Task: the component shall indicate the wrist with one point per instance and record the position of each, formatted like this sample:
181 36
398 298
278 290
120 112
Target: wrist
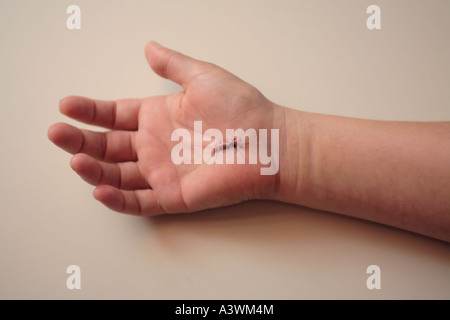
291 182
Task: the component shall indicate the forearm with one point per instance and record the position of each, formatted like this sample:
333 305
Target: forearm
395 173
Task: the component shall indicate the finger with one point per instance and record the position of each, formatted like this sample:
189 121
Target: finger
122 175
113 146
120 115
137 202
173 65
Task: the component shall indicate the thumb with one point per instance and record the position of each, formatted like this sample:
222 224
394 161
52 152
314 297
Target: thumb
172 65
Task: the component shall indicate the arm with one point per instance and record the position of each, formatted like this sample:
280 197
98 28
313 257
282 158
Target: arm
389 172
395 173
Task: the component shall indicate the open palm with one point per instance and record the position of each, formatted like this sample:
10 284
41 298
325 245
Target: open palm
131 165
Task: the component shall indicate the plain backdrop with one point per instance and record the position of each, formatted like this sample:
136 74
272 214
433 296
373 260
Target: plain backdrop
316 56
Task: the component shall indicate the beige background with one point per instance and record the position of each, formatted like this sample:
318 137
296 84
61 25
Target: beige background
312 55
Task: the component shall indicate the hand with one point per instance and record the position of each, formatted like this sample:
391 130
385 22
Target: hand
131 164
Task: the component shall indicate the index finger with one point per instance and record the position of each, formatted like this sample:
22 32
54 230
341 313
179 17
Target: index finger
120 114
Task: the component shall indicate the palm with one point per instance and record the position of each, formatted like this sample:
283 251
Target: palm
192 186
132 165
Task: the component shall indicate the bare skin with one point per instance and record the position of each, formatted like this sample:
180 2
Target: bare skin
395 173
